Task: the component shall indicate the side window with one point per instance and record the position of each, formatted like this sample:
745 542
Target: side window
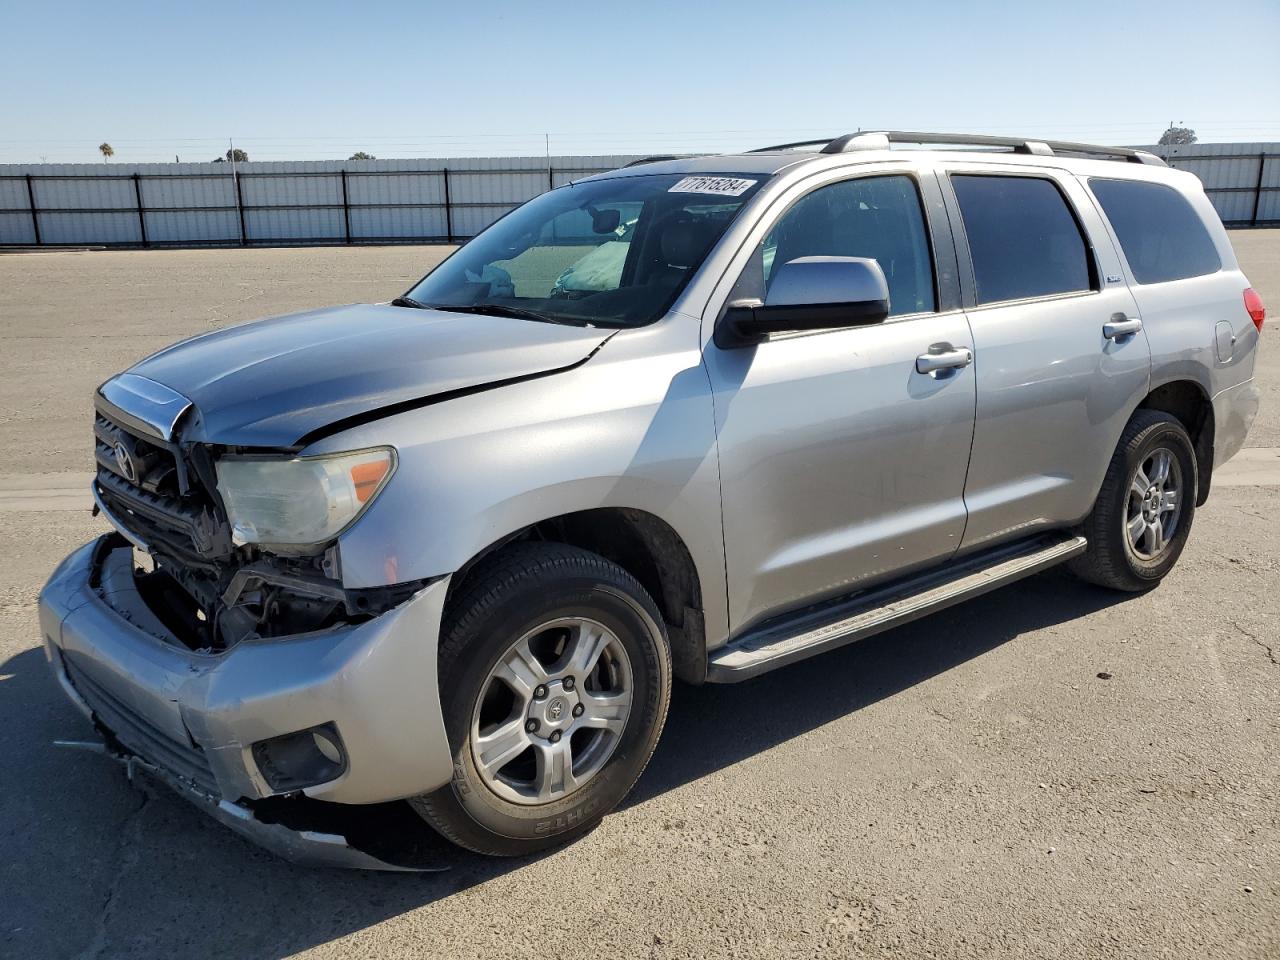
1023 238
1163 238
876 217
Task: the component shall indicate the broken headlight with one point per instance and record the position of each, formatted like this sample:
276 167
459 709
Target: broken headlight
303 500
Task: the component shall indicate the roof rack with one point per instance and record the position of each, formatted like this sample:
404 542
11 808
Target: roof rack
881 140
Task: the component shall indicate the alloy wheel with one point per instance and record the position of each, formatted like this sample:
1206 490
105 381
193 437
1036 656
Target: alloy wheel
1154 504
551 711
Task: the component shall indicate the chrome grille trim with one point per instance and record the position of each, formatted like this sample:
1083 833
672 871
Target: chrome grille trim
150 408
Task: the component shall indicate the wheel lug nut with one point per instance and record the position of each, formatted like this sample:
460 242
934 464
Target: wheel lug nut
579 710
555 736
539 692
568 683
531 725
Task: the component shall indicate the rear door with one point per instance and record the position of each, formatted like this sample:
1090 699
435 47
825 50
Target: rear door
1061 357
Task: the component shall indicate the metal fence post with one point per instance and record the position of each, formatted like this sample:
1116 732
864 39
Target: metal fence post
551 178
142 217
35 214
346 205
448 209
1257 190
244 234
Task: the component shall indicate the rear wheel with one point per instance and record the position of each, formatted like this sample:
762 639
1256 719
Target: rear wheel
1143 513
555 678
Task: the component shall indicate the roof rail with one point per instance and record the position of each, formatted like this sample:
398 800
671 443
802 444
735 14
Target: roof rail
881 140
791 146
656 158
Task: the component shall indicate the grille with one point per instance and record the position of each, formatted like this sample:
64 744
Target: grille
151 497
186 761
155 466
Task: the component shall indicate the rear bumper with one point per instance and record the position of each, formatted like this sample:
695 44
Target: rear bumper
195 717
1234 410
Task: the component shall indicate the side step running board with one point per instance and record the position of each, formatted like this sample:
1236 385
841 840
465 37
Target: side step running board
815 630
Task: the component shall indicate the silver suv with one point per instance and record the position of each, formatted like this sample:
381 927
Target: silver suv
696 417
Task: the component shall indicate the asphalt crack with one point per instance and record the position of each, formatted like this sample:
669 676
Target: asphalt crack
127 854
1271 654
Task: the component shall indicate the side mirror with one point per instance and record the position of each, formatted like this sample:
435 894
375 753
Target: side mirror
810 293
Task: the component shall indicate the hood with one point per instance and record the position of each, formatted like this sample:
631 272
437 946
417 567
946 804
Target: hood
274 382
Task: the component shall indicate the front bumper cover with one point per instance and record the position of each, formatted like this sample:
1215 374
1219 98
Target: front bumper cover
312 845
193 717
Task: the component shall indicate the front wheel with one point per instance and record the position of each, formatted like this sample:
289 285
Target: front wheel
555 677
1143 513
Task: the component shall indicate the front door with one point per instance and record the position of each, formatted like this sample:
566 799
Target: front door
1061 357
842 455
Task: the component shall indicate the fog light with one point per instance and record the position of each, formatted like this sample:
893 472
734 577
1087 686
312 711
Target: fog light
302 759
332 752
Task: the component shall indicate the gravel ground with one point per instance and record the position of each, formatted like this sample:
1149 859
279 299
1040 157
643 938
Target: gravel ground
1048 771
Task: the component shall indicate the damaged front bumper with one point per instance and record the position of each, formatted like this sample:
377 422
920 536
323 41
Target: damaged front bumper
194 718
313 845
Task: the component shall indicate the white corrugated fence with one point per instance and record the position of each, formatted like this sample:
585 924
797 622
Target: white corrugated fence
355 201
1242 179
274 202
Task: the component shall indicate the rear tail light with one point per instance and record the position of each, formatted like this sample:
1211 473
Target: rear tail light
1253 304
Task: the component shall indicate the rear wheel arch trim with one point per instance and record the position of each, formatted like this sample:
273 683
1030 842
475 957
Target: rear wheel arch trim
1191 404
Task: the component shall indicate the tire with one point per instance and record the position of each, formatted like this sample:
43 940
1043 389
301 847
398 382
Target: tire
514 651
1122 513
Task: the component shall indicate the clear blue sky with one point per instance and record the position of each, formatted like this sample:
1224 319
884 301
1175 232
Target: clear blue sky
320 80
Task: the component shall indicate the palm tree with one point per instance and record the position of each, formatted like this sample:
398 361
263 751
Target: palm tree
107 151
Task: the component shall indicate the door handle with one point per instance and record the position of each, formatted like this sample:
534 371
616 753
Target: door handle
1120 326
944 360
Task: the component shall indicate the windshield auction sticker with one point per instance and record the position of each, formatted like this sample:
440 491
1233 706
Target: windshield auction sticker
720 186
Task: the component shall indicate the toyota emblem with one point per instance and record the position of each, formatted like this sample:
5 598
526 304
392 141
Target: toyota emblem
125 461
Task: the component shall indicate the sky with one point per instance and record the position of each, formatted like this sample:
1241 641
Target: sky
320 80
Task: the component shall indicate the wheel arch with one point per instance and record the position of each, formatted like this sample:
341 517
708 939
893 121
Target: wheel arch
648 548
1189 402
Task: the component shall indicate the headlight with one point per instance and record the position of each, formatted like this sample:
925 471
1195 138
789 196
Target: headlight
303 500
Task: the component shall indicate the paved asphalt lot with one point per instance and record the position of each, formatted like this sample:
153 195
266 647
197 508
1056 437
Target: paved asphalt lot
967 786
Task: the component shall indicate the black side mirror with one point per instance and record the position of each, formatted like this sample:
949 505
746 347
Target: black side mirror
810 293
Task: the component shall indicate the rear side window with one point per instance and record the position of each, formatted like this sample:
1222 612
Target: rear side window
1023 238
1163 238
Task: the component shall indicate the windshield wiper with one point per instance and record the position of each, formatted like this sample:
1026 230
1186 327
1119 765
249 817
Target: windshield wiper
502 310
409 302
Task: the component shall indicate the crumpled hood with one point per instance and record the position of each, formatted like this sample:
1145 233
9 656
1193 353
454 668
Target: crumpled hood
273 382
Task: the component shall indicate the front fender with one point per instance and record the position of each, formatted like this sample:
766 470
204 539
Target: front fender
633 427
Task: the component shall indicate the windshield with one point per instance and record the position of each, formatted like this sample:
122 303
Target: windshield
612 253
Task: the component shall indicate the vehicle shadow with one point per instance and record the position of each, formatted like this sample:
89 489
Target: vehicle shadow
720 725
90 861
